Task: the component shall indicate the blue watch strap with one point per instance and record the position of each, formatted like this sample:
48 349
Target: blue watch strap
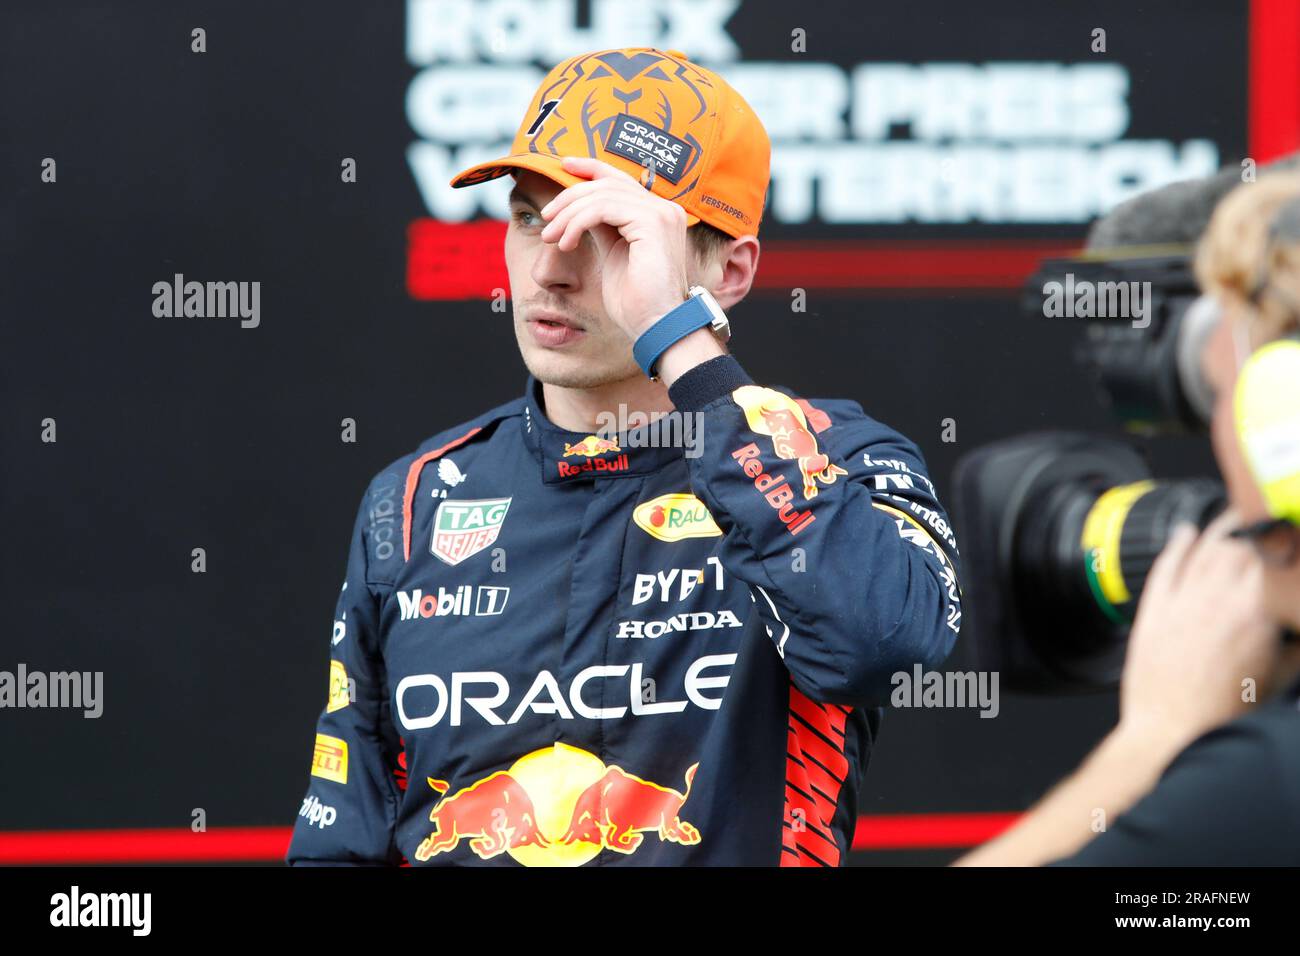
677 324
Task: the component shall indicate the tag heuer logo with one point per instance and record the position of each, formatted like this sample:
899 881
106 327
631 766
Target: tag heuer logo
674 517
461 529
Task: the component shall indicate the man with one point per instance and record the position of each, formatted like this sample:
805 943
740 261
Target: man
560 643
1197 772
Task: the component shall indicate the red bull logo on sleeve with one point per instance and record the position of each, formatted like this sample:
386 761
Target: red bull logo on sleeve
787 421
557 806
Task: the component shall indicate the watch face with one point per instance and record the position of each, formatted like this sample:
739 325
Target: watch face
718 318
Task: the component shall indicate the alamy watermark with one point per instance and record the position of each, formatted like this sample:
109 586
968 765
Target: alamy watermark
942 689
133 911
1085 299
208 300
62 689
672 429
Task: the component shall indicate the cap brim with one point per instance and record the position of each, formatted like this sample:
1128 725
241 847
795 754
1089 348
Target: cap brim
541 163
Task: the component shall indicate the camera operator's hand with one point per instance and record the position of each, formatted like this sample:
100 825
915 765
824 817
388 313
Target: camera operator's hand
1200 632
1199 636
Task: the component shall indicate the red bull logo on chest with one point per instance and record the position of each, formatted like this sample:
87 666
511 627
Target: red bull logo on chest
592 448
558 806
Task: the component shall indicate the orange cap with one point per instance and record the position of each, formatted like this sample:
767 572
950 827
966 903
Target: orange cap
710 152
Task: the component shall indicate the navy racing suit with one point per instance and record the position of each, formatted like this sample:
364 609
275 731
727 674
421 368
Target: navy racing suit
669 647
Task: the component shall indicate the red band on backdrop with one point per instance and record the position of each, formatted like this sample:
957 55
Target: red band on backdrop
930 831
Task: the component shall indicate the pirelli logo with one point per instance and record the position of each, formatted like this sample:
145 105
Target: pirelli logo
330 760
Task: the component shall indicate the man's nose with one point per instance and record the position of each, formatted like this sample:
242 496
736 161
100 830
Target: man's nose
560 271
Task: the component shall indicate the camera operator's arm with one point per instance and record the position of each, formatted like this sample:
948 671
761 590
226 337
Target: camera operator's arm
1199 635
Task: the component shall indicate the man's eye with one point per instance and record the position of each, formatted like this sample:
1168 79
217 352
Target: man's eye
526 217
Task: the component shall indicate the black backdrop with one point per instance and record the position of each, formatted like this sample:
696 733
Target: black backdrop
175 434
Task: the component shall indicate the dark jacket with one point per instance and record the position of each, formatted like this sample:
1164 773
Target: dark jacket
551 649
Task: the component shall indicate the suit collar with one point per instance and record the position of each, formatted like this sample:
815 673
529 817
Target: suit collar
566 456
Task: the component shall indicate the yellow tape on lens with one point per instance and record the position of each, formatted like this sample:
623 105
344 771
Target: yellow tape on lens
1100 541
1267 411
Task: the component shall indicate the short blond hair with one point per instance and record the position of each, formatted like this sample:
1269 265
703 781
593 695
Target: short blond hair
706 240
1253 278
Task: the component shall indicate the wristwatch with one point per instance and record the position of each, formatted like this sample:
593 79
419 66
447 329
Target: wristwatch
699 309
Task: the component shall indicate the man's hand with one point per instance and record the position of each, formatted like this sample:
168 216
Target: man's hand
640 240
1200 633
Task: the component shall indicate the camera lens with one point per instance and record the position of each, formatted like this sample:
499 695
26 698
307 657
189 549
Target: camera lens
1066 528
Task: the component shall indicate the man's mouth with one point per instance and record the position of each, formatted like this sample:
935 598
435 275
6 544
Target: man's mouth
554 320
550 329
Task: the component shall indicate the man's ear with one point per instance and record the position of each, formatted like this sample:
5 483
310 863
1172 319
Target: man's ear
738 264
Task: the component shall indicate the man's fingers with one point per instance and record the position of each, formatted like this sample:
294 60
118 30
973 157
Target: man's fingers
614 200
1167 568
587 214
586 166
619 193
557 230
1216 554
565 198
570 194
611 209
615 210
1224 522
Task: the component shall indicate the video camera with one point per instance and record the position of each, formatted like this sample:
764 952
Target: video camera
1060 529
1147 367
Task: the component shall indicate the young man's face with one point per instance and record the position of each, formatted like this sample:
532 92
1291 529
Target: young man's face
564 335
